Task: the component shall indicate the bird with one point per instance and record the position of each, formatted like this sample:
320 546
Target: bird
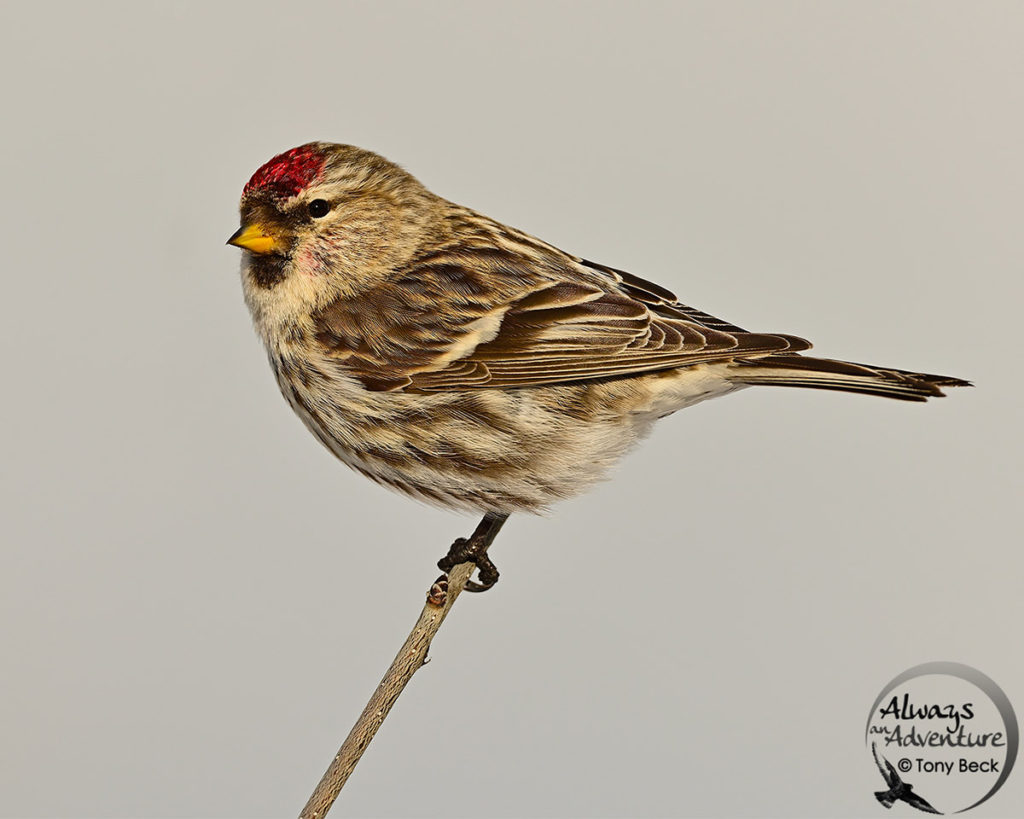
898 789
470 365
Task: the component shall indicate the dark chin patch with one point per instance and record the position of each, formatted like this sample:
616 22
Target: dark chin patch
268 270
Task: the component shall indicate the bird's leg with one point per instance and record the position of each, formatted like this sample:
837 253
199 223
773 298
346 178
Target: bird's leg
474 550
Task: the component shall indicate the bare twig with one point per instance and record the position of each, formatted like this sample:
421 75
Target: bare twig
410 658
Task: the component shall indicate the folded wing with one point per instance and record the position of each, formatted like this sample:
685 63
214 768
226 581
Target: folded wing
523 316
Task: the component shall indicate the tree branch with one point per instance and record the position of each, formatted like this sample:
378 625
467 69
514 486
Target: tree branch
407 662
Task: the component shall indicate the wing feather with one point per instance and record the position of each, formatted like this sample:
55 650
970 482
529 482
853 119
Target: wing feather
522 314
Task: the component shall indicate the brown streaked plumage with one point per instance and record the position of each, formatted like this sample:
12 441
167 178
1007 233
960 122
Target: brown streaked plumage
469 364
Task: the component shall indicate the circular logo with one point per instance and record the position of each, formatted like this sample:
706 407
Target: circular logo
943 736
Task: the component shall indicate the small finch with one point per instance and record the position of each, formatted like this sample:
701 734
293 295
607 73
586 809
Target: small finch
469 364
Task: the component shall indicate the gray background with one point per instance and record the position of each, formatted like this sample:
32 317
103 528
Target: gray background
196 600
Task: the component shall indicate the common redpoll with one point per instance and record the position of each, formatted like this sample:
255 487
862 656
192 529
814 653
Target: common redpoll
469 364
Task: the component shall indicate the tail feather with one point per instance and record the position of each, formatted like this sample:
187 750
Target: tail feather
828 374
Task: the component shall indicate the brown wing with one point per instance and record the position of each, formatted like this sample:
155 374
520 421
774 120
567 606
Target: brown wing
659 298
525 315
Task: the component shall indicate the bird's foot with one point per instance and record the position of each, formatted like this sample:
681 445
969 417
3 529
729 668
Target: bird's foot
472 550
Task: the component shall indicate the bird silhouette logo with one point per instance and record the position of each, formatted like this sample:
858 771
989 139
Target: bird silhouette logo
899 791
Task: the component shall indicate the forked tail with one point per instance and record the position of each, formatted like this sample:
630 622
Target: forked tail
828 374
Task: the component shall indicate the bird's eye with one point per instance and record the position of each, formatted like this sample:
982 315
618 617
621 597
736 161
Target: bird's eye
319 208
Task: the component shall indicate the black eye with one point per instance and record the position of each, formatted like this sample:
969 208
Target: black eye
318 208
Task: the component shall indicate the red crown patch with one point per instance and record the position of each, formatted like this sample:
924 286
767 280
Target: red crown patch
288 173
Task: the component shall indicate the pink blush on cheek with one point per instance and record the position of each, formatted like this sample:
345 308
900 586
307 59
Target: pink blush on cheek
307 262
313 261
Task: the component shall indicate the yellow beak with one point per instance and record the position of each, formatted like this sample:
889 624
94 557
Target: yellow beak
256 239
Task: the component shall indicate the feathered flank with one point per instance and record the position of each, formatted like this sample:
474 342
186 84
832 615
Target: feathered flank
469 364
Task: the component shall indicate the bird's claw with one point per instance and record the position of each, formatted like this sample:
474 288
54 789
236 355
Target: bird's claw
471 550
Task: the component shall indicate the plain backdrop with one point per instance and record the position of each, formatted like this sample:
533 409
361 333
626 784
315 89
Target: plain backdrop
196 599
